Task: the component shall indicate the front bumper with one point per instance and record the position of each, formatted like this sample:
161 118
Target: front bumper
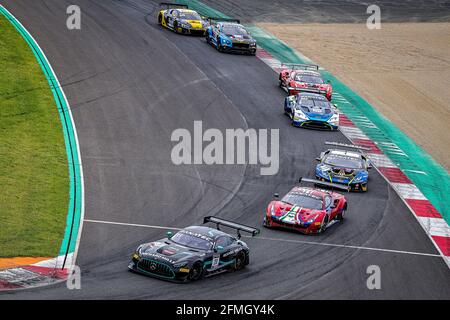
158 269
239 48
314 124
192 31
306 228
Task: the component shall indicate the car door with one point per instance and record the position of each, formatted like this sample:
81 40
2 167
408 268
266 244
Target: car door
222 258
216 32
328 207
335 207
170 17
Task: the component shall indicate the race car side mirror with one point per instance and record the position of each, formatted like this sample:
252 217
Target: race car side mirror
318 159
369 166
276 195
328 81
219 249
169 234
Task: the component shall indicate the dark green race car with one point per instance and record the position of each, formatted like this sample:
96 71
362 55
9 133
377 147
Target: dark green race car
193 252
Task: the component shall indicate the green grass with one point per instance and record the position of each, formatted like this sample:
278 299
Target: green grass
34 181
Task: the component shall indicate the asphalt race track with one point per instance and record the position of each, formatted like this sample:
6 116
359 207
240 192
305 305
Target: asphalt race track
130 84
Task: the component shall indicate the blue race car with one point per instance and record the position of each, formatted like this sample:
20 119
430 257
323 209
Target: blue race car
344 167
228 35
311 110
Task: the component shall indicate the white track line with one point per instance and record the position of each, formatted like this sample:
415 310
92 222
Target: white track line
131 224
279 239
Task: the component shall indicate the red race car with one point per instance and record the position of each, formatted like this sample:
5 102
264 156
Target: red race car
296 78
307 210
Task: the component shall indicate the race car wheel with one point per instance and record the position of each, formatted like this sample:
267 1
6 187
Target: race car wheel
240 261
219 45
340 216
208 40
160 19
266 223
175 27
364 187
196 271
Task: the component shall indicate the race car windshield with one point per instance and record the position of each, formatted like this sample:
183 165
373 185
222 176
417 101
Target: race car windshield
308 79
302 200
345 162
191 241
314 105
234 30
190 16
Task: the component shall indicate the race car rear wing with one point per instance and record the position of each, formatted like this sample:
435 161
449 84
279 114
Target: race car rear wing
231 224
173 5
323 183
339 144
300 66
218 19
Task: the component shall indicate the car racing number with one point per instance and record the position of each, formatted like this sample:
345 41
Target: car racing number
215 261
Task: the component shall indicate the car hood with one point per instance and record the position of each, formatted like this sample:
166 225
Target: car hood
315 115
293 213
194 23
318 86
342 171
167 251
239 37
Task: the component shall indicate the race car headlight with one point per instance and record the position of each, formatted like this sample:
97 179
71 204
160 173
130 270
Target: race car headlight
311 220
225 41
324 168
180 264
253 44
272 211
185 25
334 118
299 115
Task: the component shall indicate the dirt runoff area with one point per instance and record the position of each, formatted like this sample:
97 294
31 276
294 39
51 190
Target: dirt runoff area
402 69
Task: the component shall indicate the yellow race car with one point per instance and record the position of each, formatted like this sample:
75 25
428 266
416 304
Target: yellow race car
179 18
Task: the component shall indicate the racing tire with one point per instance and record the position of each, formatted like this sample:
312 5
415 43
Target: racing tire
208 40
340 217
219 45
266 224
175 27
196 271
240 261
160 19
324 224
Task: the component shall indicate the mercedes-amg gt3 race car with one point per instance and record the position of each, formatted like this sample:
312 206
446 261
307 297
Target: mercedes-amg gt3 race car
311 110
194 252
308 210
345 167
179 18
228 35
296 78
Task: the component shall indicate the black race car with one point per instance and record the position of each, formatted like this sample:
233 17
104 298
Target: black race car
194 252
228 35
344 167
